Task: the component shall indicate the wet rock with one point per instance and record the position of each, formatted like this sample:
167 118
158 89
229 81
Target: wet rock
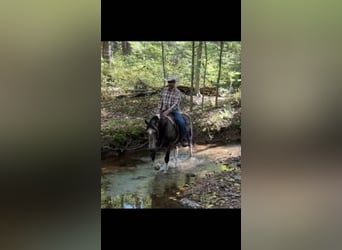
236 159
186 203
188 177
138 177
237 177
233 194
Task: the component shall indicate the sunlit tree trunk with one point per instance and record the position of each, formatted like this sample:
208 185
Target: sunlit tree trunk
198 68
126 48
106 51
205 71
192 74
219 74
163 60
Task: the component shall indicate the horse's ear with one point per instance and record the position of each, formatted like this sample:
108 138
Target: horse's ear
146 122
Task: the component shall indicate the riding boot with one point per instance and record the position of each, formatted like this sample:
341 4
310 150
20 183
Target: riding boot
184 141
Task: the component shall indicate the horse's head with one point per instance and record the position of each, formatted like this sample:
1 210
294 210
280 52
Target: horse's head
152 131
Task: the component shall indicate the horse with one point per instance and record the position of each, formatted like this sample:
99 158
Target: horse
163 132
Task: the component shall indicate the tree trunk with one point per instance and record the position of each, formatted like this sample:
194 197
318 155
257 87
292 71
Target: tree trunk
205 71
126 48
106 52
115 46
122 202
129 48
198 68
123 47
219 73
192 74
163 60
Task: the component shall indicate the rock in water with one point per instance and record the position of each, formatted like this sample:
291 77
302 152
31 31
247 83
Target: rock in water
186 203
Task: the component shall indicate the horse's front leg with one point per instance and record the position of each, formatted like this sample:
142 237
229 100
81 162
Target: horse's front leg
190 149
167 158
153 157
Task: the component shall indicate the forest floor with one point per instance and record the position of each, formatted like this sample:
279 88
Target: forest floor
215 189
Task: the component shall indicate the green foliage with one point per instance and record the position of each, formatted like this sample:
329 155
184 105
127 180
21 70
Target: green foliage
145 63
123 118
105 73
132 200
237 96
218 120
119 129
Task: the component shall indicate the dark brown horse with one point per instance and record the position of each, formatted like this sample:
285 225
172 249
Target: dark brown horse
164 133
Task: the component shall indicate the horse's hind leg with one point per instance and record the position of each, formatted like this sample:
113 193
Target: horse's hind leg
190 135
190 143
176 155
153 157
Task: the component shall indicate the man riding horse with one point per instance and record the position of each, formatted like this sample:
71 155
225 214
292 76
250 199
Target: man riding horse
169 104
163 132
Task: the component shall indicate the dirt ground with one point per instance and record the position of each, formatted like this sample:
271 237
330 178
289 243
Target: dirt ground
216 189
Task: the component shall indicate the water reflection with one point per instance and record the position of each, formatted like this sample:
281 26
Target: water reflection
162 188
136 185
128 200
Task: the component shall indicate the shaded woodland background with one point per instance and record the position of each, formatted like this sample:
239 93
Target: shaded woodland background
133 74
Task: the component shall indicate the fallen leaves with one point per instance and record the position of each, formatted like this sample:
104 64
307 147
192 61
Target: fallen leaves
215 189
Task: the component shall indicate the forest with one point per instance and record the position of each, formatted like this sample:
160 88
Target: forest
133 74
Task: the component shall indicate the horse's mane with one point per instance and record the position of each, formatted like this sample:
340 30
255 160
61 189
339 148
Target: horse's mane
153 122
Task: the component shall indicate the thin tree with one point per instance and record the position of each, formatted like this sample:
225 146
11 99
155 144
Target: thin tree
123 47
219 73
198 68
115 46
106 52
205 71
122 202
126 48
163 60
192 74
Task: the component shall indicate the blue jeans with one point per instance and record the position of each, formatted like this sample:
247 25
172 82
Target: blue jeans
181 122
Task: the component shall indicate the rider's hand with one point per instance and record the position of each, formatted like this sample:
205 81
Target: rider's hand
166 112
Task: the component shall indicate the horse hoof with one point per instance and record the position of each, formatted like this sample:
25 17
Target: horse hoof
160 169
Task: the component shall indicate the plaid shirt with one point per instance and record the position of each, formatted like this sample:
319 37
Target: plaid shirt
170 99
